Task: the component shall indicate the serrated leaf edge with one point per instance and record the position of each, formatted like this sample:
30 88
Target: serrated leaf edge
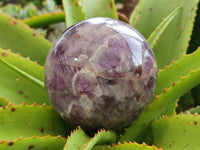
72 132
149 121
134 143
27 105
181 113
13 20
96 135
174 83
177 62
33 137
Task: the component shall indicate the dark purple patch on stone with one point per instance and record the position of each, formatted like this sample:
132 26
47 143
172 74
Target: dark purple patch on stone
118 44
111 81
110 103
56 83
84 84
110 64
108 100
109 60
77 114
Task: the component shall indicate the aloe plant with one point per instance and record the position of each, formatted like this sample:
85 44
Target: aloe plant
29 121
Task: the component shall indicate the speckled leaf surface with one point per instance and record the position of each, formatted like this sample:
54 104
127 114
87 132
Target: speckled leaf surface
73 12
133 146
157 33
28 120
20 38
177 132
99 8
39 143
173 42
21 79
161 105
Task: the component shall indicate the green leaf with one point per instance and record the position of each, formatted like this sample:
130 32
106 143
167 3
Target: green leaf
20 38
28 120
99 8
87 143
44 20
35 142
133 146
21 79
73 12
100 147
102 137
177 132
77 140
193 110
172 73
174 41
3 101
161 105
76 11
157 33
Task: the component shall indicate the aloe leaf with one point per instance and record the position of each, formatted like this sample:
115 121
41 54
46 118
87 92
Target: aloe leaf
24 64
35 142
174 40
134 146
77 140
177 132
3 101
194 110
100 147
161 105
22 79
73 12
44 20
173 72
99 8
102 137
20 38
157 33
28 120
87 143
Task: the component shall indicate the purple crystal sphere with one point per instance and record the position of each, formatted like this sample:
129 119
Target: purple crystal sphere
101 73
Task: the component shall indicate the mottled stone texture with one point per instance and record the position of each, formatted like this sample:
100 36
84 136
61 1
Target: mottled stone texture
100 73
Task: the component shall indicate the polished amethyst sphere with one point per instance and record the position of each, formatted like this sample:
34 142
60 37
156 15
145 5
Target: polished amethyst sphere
101 73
